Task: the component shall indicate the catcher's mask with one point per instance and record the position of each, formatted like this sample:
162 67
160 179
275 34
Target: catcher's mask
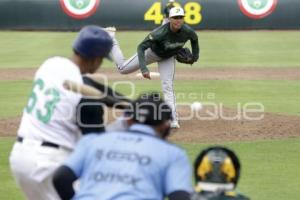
150 109
217 168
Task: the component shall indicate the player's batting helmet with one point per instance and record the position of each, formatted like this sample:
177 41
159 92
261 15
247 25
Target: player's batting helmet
92 41
217 165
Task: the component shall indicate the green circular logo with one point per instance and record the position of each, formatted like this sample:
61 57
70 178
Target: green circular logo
79 9
257 9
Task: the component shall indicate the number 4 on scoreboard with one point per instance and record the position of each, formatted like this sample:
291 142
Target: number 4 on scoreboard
192 13
154 13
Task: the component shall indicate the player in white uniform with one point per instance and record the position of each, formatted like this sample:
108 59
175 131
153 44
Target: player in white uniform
50 125
160 47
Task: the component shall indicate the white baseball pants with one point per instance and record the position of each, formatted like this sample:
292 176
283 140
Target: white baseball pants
32 166
166 68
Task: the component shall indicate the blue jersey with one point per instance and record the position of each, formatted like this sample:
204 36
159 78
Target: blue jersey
133 165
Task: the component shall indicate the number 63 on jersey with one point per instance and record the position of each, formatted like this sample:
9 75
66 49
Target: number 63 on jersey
192 13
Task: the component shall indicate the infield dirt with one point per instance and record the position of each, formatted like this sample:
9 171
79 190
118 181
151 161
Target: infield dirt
196 130
183 74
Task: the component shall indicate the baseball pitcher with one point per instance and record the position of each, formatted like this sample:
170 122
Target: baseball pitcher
161 46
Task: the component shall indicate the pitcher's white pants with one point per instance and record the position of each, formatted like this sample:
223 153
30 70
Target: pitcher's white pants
166 68
33 165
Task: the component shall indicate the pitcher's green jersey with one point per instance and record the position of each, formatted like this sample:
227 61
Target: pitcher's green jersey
165 43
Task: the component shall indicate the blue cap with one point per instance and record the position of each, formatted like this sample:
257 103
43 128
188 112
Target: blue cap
92 41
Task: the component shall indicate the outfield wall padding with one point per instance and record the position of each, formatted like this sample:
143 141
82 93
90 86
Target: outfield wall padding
131 14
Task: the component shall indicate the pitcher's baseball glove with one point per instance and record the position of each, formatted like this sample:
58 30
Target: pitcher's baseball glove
184 55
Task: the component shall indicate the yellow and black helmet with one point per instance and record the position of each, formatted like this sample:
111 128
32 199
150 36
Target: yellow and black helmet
217 165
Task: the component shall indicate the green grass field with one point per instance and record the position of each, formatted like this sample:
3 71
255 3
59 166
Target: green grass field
218 49
230 93
270 167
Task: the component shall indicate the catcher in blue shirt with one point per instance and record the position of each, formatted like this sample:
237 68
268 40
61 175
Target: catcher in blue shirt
133 165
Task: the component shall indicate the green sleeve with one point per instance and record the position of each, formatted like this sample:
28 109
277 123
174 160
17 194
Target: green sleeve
141 52
195 46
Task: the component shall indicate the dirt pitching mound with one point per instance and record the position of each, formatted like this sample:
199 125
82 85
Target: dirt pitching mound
271 126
